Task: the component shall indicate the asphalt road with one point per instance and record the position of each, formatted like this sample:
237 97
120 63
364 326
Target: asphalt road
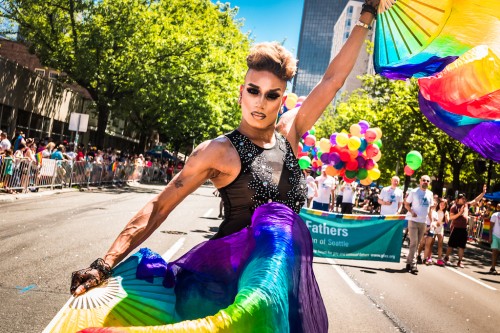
45 238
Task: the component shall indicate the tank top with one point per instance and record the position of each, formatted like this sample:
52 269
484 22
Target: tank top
266 175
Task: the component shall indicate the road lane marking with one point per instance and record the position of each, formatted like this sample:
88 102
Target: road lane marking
470 278
346 278
208 213
173 249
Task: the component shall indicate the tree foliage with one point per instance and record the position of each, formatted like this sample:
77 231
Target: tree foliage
171 66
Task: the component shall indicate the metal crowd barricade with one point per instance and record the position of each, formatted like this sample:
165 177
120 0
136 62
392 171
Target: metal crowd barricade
474 228
21 174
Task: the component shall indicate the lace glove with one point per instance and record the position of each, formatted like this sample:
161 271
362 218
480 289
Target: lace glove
86 278
370 6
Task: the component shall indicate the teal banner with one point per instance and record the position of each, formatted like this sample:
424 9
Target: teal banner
361 237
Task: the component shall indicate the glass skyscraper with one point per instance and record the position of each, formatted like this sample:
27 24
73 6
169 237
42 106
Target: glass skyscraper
315 42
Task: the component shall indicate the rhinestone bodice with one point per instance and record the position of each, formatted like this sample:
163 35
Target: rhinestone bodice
266 175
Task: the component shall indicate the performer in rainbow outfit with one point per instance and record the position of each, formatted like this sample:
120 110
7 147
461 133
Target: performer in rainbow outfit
259 275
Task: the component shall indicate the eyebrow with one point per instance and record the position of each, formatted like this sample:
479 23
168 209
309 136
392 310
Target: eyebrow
256 86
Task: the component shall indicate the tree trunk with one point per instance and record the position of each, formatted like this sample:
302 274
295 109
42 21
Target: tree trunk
143 138
102 124
456 177
438 189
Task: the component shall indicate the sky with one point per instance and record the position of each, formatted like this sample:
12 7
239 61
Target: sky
271 20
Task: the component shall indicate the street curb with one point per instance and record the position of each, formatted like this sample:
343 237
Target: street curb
5 197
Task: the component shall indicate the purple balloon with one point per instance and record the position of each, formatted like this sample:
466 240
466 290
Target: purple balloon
334 158
305 135
364 126
333 138
361 162
325 158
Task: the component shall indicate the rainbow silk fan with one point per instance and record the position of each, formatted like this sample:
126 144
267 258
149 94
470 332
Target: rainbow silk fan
123 300
453 47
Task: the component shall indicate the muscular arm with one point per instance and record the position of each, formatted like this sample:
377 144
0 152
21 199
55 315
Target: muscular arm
333 79
199 167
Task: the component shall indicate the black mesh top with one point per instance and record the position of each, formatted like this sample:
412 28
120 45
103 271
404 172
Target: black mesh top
267 175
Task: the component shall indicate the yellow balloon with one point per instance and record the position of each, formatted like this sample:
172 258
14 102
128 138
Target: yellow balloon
342 139
325 145
378 131
293 95
290 102
374 174
354 142
377 157
355 130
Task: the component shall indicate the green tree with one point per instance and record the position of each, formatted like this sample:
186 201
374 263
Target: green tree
165 65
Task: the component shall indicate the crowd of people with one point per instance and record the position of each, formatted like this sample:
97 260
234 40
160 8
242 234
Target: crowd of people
428 215
31 151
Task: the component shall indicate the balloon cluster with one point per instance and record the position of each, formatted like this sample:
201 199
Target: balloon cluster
292 101
351 155
413 162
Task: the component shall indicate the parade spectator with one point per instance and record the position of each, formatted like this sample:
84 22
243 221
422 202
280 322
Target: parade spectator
59 153
495 239
30 151
326 186
8 170
391 198
459 215
47 152
312 191
170 171
442 219
338 195
418 204
347 198
4 142
19 138
430 235
374 206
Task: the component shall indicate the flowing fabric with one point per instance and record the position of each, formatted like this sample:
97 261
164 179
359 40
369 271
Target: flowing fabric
413 32
257 280
453 47
481 136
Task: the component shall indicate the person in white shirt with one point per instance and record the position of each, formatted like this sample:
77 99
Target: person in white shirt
4 142
418 204
347 198
495 239
391 198
326 195
312 191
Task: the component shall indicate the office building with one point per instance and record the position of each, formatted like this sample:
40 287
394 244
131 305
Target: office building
315 41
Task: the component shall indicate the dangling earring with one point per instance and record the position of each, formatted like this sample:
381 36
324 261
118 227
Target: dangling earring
239 99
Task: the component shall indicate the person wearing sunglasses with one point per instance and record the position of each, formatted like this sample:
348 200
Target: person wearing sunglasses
418 203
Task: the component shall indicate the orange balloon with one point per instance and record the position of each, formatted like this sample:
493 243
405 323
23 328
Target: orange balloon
367 181
331 171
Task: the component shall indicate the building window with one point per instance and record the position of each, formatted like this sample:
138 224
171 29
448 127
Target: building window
348 23
40 71
350 10
346 35
53 75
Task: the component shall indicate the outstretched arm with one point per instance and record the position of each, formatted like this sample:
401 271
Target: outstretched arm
333 79
199 167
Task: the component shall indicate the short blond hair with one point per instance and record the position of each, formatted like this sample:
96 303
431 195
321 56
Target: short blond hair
273 57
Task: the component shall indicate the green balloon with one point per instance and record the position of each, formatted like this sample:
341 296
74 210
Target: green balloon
350 174
362 174
319 154
378 143
304 162
414 159
312 131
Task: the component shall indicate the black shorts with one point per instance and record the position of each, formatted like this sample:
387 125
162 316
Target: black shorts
338 200
458 238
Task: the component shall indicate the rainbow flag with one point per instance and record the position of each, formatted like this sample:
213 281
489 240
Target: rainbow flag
114 166
485 235
39 158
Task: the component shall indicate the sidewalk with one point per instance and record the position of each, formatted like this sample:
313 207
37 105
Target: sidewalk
5 197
